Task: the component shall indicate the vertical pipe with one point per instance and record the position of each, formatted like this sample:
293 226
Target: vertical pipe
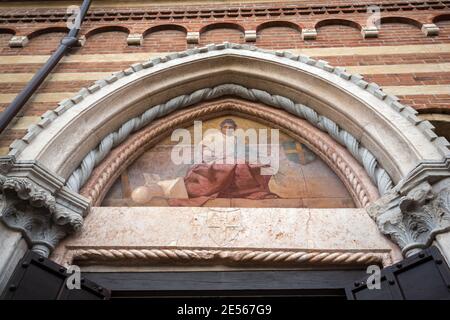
66 43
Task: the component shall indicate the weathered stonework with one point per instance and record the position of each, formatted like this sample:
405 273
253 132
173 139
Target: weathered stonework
81 41
378 175
135 39
18 41
309 34
12 249
364 111
250 35
239 237
417 209
255 257
35 213
369 32
407 55
34 202
397 166
341 161
193 37
430 29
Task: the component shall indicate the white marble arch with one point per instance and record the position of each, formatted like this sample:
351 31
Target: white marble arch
391 131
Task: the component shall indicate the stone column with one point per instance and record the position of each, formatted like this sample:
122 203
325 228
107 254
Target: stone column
12 248
416 212
443 243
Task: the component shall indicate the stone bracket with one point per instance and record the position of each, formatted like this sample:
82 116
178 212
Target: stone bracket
430 29
193 37
309 34
18 41
369 32
417 209
35 202
80 41
227 256
135 39
250 36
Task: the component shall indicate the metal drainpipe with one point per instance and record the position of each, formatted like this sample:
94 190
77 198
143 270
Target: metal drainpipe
66 43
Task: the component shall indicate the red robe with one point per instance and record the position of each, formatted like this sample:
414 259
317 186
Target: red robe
209 181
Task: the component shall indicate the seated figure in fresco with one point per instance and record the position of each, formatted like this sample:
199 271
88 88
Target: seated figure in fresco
216 177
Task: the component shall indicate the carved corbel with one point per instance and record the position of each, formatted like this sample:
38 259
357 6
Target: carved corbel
34 202
417 209
34 212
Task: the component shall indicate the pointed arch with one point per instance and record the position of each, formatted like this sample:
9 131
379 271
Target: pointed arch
382 134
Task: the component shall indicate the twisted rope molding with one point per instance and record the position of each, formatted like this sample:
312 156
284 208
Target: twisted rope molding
231 256
392 101
378 175
345 166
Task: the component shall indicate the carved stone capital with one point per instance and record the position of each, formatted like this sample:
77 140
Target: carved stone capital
37 205
417 209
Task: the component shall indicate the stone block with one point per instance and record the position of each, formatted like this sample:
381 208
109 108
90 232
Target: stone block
135 39
18 41
250 36
193 37
309 34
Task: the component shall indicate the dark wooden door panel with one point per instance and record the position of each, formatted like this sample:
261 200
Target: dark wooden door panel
424 276
277 283
39 278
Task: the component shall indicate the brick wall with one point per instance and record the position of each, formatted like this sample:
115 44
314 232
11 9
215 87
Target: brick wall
423 84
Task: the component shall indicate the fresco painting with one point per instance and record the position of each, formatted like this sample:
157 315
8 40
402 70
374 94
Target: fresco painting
301 178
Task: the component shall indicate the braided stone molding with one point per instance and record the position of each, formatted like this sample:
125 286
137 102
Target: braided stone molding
259 257
34 212
342 162
378 175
